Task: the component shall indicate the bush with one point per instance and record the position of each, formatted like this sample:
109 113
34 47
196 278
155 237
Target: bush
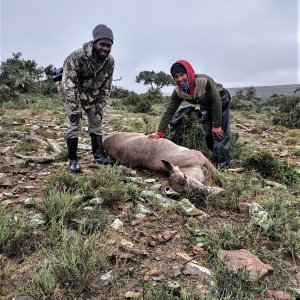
189 132
271 167
76 261
118 92
7 94
287 110
138 103
11 233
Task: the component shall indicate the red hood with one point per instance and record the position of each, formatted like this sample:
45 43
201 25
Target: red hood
190 74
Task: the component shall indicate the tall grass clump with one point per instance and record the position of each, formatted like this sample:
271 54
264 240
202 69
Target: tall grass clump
228 285
283 209
11 233
78 262
44 283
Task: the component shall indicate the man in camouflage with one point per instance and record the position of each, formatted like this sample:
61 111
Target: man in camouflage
86 85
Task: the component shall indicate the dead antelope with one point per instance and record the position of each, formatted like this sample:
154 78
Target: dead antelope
184 166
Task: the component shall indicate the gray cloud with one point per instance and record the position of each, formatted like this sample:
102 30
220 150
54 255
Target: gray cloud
237 42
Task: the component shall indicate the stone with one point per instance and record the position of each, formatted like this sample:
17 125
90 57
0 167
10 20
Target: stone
154 272
195 269
117 224
259 216
132 294
238 260
127 244
279 295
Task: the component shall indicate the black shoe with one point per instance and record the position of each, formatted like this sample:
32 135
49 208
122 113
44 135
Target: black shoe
102 160
72 153
74 166
100 156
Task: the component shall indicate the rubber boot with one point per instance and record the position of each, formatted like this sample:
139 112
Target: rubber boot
72 151
100 156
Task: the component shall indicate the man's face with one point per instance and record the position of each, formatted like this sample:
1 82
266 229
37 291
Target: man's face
103 47
180 79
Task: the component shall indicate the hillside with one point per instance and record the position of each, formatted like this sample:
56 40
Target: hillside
117 233
265 92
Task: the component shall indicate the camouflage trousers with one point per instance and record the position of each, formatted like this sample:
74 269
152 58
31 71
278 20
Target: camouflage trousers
74 121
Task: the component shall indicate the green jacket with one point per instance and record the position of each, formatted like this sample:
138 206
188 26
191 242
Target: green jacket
86 80
206 95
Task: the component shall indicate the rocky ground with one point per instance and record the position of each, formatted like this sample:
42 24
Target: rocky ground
153 241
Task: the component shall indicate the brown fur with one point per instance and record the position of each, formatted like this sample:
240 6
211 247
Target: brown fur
184 166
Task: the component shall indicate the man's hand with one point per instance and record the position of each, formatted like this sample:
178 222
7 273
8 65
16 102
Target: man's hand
156 135
99 110
218 133
75 115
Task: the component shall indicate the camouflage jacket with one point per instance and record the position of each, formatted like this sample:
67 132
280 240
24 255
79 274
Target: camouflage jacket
86 81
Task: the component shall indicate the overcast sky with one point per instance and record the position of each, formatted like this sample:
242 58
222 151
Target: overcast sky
236 42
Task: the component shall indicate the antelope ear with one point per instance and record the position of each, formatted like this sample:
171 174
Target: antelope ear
170 167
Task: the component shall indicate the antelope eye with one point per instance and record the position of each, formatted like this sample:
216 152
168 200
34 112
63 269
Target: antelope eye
185 177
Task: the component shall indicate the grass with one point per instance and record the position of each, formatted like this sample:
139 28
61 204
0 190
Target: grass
44 283
12 232
65 258
77 261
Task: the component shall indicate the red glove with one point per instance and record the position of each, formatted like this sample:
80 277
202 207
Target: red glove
160 134
157 135
218 132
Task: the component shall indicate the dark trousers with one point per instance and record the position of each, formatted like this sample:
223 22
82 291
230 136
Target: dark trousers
219 148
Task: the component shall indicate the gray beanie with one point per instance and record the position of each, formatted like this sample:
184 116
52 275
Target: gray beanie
102 32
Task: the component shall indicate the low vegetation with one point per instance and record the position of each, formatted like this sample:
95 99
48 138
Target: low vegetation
56 235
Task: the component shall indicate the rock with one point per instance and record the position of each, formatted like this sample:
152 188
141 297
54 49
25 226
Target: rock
139 252
279 295
185 256
175 271
132 294
135 179
275 184
152 243
150 180
194 269
259 216
283 153
36 220
96 201
22 298
29 202
127 244
35 159
238 260
154 272
117 224
5 150
54 146
144 210
190 210
173 285
163 201
107 278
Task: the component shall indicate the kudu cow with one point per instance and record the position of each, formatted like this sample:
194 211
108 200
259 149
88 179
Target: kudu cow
184 166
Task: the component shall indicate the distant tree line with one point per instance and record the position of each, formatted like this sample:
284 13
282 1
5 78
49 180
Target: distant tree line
21 76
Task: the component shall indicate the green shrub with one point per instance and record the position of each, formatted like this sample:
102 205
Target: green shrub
7 94
189 133
11 233
118 92
270 167
76 262
44 283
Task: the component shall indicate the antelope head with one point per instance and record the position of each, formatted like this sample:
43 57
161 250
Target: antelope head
178 180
